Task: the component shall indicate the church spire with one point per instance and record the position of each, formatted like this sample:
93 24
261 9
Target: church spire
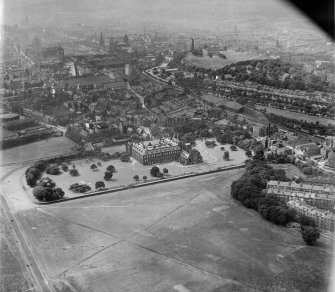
102 41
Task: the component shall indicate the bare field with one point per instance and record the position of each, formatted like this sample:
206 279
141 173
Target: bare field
296 116
217 62
13 274
40 149
187 234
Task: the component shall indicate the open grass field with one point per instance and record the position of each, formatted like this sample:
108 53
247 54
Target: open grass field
125 171
297 116
187 235
217 62
40 149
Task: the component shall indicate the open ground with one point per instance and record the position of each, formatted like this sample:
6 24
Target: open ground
187 234
291 170
296 116
217 62
40 149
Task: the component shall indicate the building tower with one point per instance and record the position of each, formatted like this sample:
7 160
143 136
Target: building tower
112 46
126 39
192 45
101 41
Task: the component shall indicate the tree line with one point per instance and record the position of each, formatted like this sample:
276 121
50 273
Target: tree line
249 190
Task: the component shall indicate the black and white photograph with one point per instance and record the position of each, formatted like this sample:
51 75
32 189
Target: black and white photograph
167 146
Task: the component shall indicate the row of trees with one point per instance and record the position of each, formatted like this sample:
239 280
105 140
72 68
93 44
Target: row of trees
276 73
249 191
24 139
34 173
312 128
45 188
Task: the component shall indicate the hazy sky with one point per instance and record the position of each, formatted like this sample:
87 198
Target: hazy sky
207 14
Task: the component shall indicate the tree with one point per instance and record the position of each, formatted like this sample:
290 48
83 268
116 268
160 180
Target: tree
188 138
99 185
40 165
145 177
136 177
111 168
108 175
99 164
248 153
226 155
125 157
74 172
310 234
79 188
233 148
160 175
93 167
306 221
165 170
31 179
47 194
154 171
65 167
58 193
32 175
47 182
53 169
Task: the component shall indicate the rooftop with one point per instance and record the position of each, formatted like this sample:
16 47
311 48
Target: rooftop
156 146
311 210
306 187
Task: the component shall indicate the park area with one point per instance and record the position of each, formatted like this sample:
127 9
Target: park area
217 62
185 235
125 171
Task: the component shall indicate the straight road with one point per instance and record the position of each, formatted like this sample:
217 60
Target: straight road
33 266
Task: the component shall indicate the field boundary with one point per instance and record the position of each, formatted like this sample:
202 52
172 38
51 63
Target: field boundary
133 186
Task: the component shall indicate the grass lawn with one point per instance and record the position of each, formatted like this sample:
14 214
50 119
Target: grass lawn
125 171
187 234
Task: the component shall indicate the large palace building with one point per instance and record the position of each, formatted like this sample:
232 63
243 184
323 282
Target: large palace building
156 151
